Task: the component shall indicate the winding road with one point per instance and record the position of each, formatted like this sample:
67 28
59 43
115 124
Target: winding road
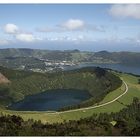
97 106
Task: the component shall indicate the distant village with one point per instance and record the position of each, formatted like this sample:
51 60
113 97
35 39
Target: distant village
51 65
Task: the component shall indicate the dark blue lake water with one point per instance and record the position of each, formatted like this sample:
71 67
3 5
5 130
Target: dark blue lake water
51 100
119 67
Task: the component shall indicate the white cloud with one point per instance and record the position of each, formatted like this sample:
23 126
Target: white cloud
4 42
125 10
138 41
73 24
25 37
68 38
18 35
99 28
11 28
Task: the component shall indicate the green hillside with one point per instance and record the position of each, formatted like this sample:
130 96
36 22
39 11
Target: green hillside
120 118
34 58
98 82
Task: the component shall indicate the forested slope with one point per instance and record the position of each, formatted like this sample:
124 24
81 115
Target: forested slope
96 81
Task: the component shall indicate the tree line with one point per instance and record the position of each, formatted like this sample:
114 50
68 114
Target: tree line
127 123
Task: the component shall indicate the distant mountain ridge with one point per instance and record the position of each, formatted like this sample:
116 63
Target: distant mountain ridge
19 57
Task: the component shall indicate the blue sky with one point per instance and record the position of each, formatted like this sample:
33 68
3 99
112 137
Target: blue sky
91 27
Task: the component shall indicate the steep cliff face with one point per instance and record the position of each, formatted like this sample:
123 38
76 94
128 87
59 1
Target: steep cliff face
3 79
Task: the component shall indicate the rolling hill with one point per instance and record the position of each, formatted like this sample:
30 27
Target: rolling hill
97 81
32 58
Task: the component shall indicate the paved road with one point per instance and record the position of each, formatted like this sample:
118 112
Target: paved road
97 106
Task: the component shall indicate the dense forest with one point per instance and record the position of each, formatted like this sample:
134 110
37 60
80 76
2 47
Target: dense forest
97 81
124 123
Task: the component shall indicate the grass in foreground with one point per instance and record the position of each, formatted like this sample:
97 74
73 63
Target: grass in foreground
133 91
